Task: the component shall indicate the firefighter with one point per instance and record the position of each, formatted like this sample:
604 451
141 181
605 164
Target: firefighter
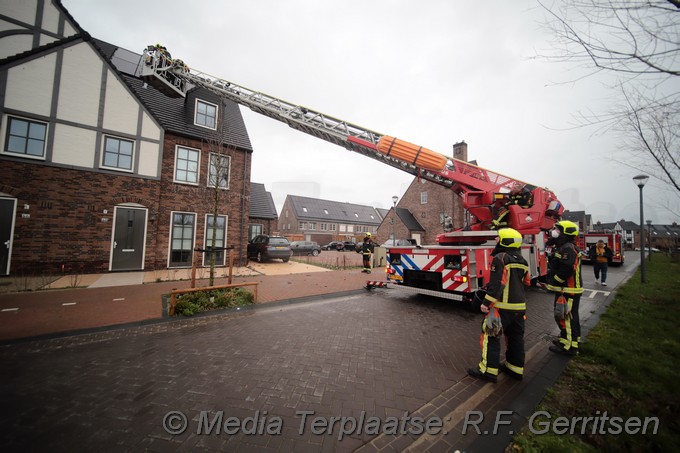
366 252
519 195
505 297
565 281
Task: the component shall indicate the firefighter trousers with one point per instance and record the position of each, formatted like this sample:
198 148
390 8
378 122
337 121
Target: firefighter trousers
367 262
570 328
513 330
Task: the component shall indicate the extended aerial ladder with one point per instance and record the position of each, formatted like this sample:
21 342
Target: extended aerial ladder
483 191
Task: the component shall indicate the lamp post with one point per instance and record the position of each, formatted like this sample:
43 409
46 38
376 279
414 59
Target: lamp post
394 220
649 240
640 181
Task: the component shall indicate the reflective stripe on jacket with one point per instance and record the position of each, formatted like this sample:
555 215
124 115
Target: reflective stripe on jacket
509 274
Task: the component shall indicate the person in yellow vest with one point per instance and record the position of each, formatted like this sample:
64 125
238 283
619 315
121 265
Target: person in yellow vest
601 256
505 299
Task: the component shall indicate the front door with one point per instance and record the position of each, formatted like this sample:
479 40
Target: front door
129 234
8 207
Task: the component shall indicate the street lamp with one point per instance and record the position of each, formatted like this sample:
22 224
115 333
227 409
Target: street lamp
649 239
394 222
641 180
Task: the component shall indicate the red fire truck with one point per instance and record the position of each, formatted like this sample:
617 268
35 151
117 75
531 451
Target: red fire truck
458 264
613 240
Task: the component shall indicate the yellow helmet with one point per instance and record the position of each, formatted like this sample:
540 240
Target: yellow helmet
567 227
510 238
368 235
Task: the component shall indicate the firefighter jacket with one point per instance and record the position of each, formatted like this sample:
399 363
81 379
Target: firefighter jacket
367 247
565 270
509 274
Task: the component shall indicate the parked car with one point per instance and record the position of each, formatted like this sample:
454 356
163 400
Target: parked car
400 242
305 248
349 246
340 246
333 245
264 247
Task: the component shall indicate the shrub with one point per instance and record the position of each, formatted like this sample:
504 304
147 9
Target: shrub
189 304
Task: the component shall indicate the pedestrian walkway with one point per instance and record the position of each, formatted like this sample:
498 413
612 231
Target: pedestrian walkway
126 298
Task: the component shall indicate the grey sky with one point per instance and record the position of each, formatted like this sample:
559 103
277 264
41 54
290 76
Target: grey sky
431 72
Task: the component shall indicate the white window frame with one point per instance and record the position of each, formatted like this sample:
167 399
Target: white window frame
5 147
207 240
223 182
196 113
198 165
102 164
172 238
423 197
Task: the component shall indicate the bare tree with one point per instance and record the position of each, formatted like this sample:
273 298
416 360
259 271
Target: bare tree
217 195
638 41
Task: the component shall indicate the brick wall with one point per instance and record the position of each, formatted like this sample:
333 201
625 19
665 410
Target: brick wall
66 223
233 202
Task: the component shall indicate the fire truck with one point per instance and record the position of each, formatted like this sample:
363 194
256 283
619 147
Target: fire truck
458 264
613 240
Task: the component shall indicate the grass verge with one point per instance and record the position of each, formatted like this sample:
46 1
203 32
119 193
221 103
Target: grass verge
627 368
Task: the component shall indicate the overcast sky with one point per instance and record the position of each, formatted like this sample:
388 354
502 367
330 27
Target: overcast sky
432 72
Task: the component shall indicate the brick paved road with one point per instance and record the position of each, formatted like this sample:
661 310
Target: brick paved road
384 355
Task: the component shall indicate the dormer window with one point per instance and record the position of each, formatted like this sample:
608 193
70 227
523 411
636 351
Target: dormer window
206 114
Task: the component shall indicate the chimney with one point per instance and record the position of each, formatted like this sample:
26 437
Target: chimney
460 151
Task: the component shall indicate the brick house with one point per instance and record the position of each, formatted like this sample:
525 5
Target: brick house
262 215
100 171
322 221
420 211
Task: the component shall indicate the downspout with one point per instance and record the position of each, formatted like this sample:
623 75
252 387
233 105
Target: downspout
243 207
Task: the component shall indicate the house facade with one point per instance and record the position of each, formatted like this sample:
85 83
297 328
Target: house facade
322 221
99 171
262 216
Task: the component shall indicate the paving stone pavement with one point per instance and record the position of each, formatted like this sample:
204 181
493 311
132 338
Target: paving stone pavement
370 354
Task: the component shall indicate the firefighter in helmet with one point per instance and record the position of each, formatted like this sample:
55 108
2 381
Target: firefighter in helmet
367 247
520 195
505 300
565 281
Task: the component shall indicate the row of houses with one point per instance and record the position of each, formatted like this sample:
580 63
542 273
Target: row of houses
661 236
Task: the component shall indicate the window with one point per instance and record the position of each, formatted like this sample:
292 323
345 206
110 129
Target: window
334 227
206 114
304 209
324 227
302 225
218 174
182 239
26 137
117 153
254 230
312 225
325 211
423 197
220 235
186 165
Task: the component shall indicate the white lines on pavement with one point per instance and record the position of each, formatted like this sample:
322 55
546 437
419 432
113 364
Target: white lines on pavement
68 303
120 298
10 309
594 292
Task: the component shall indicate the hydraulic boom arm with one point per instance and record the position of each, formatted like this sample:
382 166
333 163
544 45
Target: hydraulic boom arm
478 187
